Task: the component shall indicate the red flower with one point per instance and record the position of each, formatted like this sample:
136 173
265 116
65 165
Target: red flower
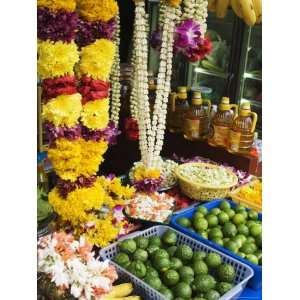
131 129
91 89
204 48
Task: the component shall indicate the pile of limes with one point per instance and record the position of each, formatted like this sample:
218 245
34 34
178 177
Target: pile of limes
237 229
176 271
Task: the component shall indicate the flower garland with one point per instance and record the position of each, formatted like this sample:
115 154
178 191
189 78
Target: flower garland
151 132
76 113
115 78
70 266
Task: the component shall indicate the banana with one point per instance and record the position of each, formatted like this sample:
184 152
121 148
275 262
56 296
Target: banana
247 9
221 8
235 5
211 5
257 5
119 291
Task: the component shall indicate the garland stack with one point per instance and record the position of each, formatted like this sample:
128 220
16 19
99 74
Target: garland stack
76 113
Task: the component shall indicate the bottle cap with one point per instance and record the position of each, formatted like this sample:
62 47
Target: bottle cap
197 95
245 108
197 101
224 104
181 89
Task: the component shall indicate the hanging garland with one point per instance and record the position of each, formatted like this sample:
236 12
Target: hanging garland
76 113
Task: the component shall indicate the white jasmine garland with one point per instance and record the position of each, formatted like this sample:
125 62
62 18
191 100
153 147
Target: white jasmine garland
151 132
115 78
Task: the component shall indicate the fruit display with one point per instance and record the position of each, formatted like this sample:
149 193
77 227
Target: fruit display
235 228
176 271
248 10
167 170
153 207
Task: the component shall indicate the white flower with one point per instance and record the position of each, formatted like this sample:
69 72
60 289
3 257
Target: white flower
76 290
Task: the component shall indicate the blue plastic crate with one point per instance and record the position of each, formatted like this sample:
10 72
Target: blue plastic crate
256 281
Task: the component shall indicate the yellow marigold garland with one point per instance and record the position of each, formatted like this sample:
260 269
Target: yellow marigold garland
72 159
174 3
56 59
64 110
97 59
95 114
95 10
142 173
56 5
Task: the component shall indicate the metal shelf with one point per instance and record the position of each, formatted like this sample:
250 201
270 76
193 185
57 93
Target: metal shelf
211 73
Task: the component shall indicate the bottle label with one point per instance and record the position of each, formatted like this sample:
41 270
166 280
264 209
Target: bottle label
191 128
220 136
234 140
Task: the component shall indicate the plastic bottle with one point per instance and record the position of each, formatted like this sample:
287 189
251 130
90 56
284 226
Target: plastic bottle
179 106
221 123
196 121
241 134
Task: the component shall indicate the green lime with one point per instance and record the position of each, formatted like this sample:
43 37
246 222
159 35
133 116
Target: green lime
148 263
215 233
169 238
229 230
155 240
200 224
151 249
170 278
212 220
184 252
213 260
250 239
241 237
230 212
250 223
198 215
223 218
154 282
218 241
240 208
212 295
231 246
122 259
202 210
168 294
255 230
200 267
226 273
141 255
238 219
225 240
141 242
183 290
160 253
186 274
252 258
204 234
224 287
198 255
248 248
215 211
171 250
238 241
127 246
151 272
161 264
185 222
203 283
243 229
224 205
241 254
253 215
138 269
175 263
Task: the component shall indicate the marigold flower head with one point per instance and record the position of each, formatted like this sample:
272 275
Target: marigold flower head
97 59
143 173
56 59
64 110
95 114
55 5
95 10
174 3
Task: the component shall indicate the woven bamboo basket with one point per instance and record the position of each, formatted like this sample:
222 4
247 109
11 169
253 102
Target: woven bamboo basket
201 192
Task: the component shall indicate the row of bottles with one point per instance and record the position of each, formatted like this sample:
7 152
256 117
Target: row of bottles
231 127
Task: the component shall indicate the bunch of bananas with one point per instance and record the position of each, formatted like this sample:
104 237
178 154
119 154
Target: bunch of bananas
249 10
121 292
